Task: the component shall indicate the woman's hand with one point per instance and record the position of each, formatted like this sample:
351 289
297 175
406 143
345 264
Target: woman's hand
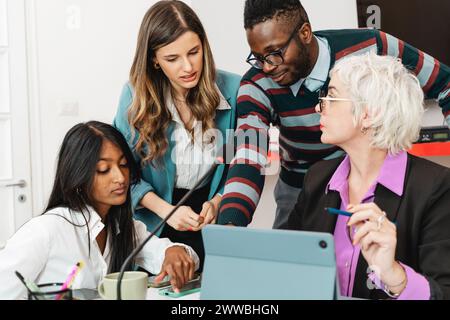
185 219
377 237
179 266
209 211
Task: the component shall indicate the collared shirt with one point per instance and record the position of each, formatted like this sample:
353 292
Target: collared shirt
391 176
45 249
319 73
192 157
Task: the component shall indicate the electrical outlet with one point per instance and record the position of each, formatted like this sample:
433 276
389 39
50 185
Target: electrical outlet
68 108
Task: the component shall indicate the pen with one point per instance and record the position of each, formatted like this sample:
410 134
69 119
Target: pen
31 286
344 213
338 212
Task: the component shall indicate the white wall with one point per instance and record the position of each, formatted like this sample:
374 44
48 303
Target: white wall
224 24
81 67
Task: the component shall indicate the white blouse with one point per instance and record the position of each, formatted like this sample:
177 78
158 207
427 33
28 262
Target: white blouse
192 158
45 249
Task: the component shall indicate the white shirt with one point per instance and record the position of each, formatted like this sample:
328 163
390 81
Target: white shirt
45 249
192 158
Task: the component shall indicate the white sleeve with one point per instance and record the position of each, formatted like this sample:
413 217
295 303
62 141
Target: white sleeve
27 252
153 253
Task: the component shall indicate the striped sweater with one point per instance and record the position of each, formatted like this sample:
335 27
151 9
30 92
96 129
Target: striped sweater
262 101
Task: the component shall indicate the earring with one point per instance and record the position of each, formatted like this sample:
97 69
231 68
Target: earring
156 65
364 130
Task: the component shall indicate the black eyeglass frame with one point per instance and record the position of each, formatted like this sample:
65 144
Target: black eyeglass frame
258 62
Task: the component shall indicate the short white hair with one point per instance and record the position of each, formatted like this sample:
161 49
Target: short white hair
389 93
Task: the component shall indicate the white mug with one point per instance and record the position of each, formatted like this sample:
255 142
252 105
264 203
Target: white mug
134 286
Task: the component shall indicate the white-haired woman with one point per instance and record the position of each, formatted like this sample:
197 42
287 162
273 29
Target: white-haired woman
395 241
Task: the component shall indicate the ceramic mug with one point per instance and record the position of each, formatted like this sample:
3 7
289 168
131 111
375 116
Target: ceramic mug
134 286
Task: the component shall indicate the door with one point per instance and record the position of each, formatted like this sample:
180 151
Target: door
15 190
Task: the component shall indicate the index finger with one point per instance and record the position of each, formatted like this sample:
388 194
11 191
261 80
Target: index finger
362 206
362 216
205 209
160 276
197 218
174 278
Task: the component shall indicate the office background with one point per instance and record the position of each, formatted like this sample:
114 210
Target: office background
65 61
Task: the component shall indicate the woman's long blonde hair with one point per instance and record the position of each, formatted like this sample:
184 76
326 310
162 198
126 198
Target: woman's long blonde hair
163 23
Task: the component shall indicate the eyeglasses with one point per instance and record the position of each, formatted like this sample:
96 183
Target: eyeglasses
323 98
274 58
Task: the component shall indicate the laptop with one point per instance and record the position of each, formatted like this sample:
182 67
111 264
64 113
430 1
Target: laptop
252 264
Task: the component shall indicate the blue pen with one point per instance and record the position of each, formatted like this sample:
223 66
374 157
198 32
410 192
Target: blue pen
337 211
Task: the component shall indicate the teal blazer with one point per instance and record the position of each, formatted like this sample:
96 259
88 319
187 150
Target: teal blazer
161 180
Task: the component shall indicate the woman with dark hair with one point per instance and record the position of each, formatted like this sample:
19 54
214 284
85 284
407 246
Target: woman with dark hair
175 112
89 219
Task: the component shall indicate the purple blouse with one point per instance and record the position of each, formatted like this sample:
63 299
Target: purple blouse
391 176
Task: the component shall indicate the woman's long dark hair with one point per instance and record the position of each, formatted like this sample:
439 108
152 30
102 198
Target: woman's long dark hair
75 173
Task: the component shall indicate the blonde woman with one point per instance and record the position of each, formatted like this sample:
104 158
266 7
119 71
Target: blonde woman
175 113
396 242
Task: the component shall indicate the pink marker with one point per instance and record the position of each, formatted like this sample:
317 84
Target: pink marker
70 278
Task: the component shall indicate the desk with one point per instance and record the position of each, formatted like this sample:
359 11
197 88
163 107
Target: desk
152 294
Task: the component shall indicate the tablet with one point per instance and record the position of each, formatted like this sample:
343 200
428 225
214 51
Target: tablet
243 263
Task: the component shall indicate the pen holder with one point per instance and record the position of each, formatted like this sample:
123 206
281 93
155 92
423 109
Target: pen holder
50 291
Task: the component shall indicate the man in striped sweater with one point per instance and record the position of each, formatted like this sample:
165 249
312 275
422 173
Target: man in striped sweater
290 66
